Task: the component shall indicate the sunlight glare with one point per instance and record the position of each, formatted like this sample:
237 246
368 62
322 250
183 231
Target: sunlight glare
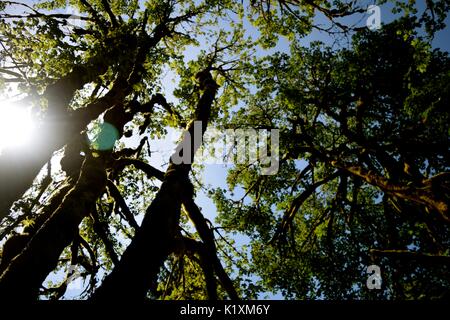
15 126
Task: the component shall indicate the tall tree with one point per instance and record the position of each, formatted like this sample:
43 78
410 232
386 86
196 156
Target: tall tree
364 150
363 169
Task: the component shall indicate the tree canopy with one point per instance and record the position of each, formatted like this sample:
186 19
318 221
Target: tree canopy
362 175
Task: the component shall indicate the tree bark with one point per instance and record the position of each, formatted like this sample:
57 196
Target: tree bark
141 262
207 236
14 245
26 272
20 167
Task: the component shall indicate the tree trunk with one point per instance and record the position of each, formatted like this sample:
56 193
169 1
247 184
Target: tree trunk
141 262
25 274
19 168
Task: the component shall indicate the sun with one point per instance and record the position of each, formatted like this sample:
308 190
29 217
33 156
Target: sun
16 126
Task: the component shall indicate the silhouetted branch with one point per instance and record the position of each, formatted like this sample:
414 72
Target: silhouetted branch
115 193
207 236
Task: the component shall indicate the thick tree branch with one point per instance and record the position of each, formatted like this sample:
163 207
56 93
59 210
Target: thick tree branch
115 193
423 194
149 170
102 230
133 276
297 203
207 236
61 126
111 15
43 251
95 15
190 247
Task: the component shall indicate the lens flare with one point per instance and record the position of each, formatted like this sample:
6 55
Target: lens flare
15 126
